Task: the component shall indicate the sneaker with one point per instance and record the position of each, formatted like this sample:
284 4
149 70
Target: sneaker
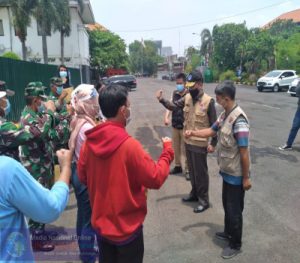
176 170
229 252
222 236
285 147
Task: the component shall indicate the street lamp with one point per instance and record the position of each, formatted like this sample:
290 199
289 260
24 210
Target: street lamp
199 35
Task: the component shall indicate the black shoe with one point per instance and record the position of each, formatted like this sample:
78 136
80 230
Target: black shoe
200 208
222 236
176 170
285 147
189 199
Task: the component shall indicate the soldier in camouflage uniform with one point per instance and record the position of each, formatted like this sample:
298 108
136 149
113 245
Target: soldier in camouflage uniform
11 134
57 94
38 155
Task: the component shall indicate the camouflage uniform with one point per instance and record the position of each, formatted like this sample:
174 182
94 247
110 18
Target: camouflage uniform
62 117
11 135
38 155
62 109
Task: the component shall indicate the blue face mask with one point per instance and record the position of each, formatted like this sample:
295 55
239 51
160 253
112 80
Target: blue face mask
59 90
41 108
180 87
63 74
7 108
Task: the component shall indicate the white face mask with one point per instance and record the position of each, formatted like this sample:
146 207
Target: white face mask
128 119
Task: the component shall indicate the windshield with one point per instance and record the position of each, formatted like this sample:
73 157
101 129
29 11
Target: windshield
273 74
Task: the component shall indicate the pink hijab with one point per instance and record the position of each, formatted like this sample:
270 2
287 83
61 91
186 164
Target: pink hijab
84 100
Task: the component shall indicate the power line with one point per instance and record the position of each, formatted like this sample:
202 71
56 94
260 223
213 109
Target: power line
200 23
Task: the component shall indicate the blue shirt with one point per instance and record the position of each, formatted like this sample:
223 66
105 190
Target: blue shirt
20 196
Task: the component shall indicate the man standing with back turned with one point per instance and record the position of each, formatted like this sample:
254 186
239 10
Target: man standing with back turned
117 171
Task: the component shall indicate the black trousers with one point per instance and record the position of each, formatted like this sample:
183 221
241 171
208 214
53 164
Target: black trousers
129 253
233 203
197 162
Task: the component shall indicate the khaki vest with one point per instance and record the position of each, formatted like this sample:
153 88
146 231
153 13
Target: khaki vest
196 118
229 158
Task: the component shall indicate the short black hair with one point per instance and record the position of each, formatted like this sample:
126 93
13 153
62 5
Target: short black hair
181 76
111 98
226 89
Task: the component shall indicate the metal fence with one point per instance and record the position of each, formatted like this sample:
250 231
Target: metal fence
17 74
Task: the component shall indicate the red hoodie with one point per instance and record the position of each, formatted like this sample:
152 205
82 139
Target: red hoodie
117 171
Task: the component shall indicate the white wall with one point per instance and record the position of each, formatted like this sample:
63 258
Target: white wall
76 45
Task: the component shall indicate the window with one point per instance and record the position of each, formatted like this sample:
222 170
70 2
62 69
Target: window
39 30
1 28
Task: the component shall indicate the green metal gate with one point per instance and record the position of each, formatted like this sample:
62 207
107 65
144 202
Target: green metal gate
17 74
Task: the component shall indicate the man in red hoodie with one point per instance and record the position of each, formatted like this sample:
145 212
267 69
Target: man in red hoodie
117 171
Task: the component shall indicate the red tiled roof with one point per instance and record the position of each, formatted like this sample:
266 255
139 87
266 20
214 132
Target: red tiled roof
292 15
96 27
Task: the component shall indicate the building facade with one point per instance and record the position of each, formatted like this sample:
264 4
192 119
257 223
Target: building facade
76 45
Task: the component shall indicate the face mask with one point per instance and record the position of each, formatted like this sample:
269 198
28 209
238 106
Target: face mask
180 87
59 90
41 108
128 119
194 93
63 74
7 108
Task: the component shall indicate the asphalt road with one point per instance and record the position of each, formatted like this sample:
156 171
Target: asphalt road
173 233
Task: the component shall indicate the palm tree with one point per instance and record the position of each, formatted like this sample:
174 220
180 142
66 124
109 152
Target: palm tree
206 44
45 16
62 22
22 11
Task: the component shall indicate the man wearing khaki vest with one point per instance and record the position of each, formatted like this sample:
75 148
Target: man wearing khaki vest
199 113
232 128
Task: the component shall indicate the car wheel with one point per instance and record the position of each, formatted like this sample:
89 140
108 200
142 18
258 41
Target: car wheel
260 89
276 88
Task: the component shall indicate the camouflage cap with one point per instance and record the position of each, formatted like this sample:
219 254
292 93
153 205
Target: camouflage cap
3 88
56 81
35 89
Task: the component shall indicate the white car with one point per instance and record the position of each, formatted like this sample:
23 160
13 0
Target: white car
292 88
276 80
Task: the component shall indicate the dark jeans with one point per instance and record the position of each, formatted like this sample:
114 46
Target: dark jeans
129 253
233 203
295 128
197 163
85 233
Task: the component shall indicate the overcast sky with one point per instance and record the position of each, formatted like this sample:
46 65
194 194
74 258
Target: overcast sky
138 16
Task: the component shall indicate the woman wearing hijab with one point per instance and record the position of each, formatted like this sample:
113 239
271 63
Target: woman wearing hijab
86 107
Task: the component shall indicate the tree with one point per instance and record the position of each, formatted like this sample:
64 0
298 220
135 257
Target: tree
22 10
288 53
62 22
144 57
45 14
189 52
226 39
107 50
206 44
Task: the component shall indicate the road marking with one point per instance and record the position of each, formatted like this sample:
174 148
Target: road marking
265 105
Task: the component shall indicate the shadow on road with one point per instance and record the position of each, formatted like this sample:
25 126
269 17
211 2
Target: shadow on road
210 232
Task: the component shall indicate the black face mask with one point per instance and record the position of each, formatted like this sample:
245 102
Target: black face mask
194 93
